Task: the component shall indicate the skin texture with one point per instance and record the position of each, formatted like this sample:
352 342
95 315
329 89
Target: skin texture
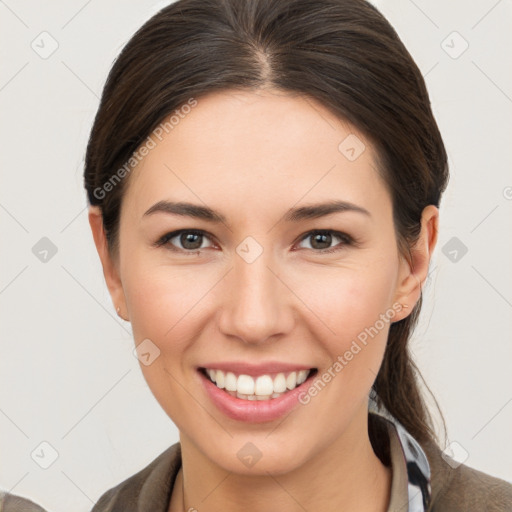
252 156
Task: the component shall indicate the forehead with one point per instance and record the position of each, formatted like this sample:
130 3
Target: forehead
259 148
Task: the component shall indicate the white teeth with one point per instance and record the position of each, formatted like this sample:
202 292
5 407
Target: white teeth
262 387
218 377
245 385
302 376
291 380
279 383
230 381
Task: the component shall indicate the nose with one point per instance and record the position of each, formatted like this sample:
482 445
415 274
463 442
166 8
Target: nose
257 305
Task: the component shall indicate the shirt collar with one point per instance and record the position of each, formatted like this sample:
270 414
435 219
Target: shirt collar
410 466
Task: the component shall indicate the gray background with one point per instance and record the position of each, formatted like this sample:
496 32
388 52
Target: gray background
68 375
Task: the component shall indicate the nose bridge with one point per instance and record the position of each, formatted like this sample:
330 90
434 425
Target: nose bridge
255 308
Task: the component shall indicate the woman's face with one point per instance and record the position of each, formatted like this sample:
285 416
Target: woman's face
260 297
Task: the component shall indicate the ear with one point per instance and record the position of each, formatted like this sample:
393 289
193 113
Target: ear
110 267
414 271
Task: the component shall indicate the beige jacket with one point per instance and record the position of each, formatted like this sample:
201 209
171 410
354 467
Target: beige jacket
453 489
12 503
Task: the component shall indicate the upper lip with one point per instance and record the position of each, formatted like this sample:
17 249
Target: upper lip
240 367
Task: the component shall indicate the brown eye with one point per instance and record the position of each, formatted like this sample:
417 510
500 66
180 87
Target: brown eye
190 241
184 240
321 240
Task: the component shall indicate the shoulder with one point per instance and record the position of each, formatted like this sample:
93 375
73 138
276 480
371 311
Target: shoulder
460 488
149 489
12 503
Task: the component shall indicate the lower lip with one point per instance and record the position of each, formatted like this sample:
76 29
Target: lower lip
254 411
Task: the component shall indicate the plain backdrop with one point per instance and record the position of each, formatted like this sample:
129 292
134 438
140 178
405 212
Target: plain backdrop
72 396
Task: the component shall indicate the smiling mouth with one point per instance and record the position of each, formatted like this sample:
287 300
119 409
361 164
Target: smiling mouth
266 386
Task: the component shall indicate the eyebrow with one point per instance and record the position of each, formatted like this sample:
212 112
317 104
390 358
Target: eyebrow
313 211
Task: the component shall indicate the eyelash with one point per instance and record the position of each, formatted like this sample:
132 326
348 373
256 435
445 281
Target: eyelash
346 240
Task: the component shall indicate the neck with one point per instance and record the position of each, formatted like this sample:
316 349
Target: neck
346 476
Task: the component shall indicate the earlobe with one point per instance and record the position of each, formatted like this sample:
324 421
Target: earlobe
110 268
414 272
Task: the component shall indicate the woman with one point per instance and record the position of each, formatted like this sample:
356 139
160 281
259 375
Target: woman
264 180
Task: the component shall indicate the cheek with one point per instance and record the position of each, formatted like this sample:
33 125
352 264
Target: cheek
348 300
354 311
162 303
165 307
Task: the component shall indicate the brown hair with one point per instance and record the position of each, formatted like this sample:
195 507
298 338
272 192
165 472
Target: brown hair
342 53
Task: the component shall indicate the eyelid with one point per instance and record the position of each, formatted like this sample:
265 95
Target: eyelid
163 240
347 239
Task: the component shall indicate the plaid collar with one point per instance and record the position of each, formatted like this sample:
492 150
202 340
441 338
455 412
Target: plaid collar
418 468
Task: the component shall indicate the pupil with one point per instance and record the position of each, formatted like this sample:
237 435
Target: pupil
324 238
187 238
